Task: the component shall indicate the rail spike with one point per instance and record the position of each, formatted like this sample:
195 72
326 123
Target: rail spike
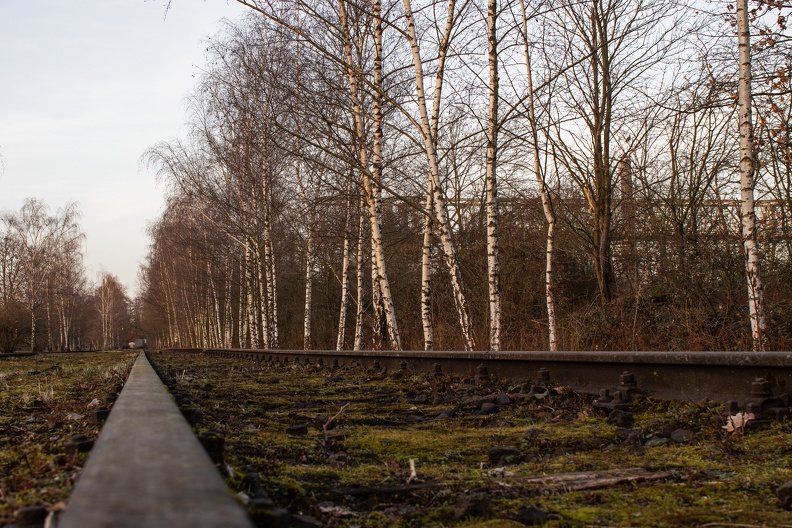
762 404
623 398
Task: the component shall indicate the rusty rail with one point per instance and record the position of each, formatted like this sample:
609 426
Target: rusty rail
719 376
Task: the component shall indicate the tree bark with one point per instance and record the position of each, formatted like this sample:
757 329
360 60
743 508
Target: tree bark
493 260
250 288
342 313
430 142
272 285
426 272
747 172
360 309
309 265
539 174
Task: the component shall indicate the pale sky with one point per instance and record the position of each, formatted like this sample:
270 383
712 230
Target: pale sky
86 86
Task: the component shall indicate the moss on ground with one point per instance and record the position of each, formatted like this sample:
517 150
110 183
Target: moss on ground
358 473
45 399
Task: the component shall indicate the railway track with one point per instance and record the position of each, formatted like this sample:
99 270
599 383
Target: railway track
148 469
759 380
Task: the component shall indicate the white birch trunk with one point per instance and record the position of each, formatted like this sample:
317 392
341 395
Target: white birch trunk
547 205
228 317
426 272
214 303
65 315
218 317
310 210
359 311
168 314
50 340
357 111
493 261
443 225
268 284
747 172
272 292
242 312
385 300
309 257
379 325
250 288
345 271
261 295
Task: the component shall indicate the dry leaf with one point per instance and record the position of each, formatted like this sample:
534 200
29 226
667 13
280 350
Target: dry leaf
243 497
738 421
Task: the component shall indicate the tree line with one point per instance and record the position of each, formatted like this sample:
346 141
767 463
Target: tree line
46 301
470 174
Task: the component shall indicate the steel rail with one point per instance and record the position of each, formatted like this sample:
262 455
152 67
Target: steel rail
148 468
718 376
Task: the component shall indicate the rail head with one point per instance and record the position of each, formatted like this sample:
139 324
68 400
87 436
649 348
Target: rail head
714 358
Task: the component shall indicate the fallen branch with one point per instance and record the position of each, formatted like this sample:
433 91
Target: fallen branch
328 422
385 490
587 480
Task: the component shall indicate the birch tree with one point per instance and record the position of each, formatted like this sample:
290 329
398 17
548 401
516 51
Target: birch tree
540 176
67 279
345 268
113 311
747 174
428 130
493 124
39 239
371 174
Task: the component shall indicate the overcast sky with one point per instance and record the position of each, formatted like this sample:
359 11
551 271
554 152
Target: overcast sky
86 86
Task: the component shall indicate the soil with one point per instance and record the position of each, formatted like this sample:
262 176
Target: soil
45 401
360 447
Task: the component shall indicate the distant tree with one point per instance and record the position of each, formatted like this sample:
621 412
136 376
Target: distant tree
14 325
10 265
43 244
603 52
113 307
